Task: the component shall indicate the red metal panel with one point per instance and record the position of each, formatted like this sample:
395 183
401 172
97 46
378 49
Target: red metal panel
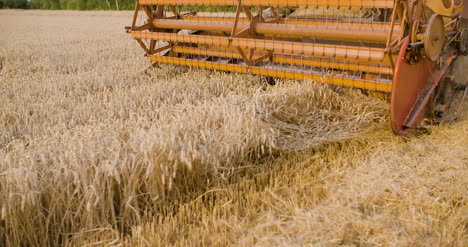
408 82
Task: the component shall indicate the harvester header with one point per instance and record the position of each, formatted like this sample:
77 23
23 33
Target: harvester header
403 49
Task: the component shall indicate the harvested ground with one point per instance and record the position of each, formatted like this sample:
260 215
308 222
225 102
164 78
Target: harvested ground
96 152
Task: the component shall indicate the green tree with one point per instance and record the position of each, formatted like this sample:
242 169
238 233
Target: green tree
81 4
14 4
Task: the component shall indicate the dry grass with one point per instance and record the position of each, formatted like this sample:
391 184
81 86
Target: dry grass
92 151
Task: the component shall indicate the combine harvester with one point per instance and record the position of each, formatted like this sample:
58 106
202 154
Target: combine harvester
406 48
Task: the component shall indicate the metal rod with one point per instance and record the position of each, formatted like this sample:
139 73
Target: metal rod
335 33
298 21
236 21
392 24
341 81
135 15
381 4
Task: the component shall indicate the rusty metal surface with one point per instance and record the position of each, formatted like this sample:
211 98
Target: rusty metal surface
433 37
418 109
465 10
408 82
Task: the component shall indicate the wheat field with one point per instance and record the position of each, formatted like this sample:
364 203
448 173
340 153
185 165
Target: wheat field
96 152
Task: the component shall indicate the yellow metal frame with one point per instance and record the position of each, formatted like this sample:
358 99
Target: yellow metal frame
274 47
332 79
282 59
350 53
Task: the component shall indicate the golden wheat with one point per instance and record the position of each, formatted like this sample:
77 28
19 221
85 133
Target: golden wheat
95 152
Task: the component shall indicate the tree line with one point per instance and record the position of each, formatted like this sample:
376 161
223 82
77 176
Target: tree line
69 4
